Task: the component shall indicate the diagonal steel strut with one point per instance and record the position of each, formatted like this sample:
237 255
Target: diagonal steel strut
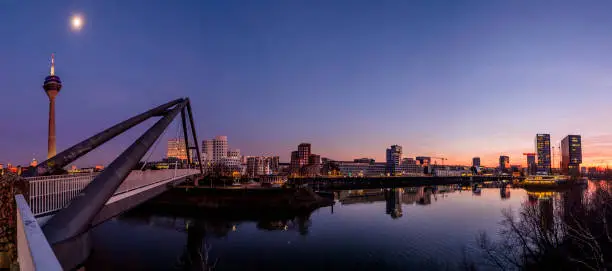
78 215
65 157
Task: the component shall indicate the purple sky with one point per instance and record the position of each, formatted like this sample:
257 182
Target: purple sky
441 78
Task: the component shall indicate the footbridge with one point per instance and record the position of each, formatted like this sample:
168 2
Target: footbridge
55 217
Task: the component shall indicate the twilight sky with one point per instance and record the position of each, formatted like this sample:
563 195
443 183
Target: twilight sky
443 78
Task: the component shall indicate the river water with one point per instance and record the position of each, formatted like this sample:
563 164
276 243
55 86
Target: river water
419 228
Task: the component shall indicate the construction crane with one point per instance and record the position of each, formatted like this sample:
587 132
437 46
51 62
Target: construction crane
440 158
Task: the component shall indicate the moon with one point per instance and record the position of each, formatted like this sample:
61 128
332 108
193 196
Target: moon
76 22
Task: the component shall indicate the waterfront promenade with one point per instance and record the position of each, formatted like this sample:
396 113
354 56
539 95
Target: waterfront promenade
396 181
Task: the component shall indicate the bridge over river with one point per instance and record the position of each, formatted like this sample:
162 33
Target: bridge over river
55 219
50 194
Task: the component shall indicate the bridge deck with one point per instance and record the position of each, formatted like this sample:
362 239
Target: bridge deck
50 194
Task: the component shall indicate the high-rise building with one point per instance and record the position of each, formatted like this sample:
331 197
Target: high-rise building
571 155
244 158
314 159
313 168
303 153
34 162
531 163
266 166
303 162
257 166
219 149
52 87
295 166
176 149
504 164
409 166
476 162
234 153
207 149
232 160
394 157
424 162
542 143
274 162
216 152
253 166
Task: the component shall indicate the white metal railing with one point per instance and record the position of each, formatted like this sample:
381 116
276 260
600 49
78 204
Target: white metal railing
33 249
60 176
52 193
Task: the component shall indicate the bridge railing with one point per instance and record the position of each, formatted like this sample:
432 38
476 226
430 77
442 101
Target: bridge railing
49 194
33 249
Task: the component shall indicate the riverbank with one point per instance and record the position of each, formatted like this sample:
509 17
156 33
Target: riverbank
252 200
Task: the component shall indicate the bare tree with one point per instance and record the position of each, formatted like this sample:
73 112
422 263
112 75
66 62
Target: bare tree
541 237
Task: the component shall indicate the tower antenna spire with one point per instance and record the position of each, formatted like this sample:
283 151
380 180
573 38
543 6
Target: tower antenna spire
52 64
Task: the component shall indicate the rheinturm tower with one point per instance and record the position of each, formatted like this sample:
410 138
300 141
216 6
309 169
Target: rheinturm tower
52 87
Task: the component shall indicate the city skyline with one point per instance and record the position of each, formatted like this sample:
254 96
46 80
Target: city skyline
356 98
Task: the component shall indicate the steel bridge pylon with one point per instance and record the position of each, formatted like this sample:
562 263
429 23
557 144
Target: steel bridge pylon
68 231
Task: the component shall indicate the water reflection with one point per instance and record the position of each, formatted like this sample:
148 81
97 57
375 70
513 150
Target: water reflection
382 229
196 253
393 197
555 230
504 192
215 224
299 223
409 195
555 205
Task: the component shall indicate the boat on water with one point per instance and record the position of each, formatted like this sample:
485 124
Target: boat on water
546 180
